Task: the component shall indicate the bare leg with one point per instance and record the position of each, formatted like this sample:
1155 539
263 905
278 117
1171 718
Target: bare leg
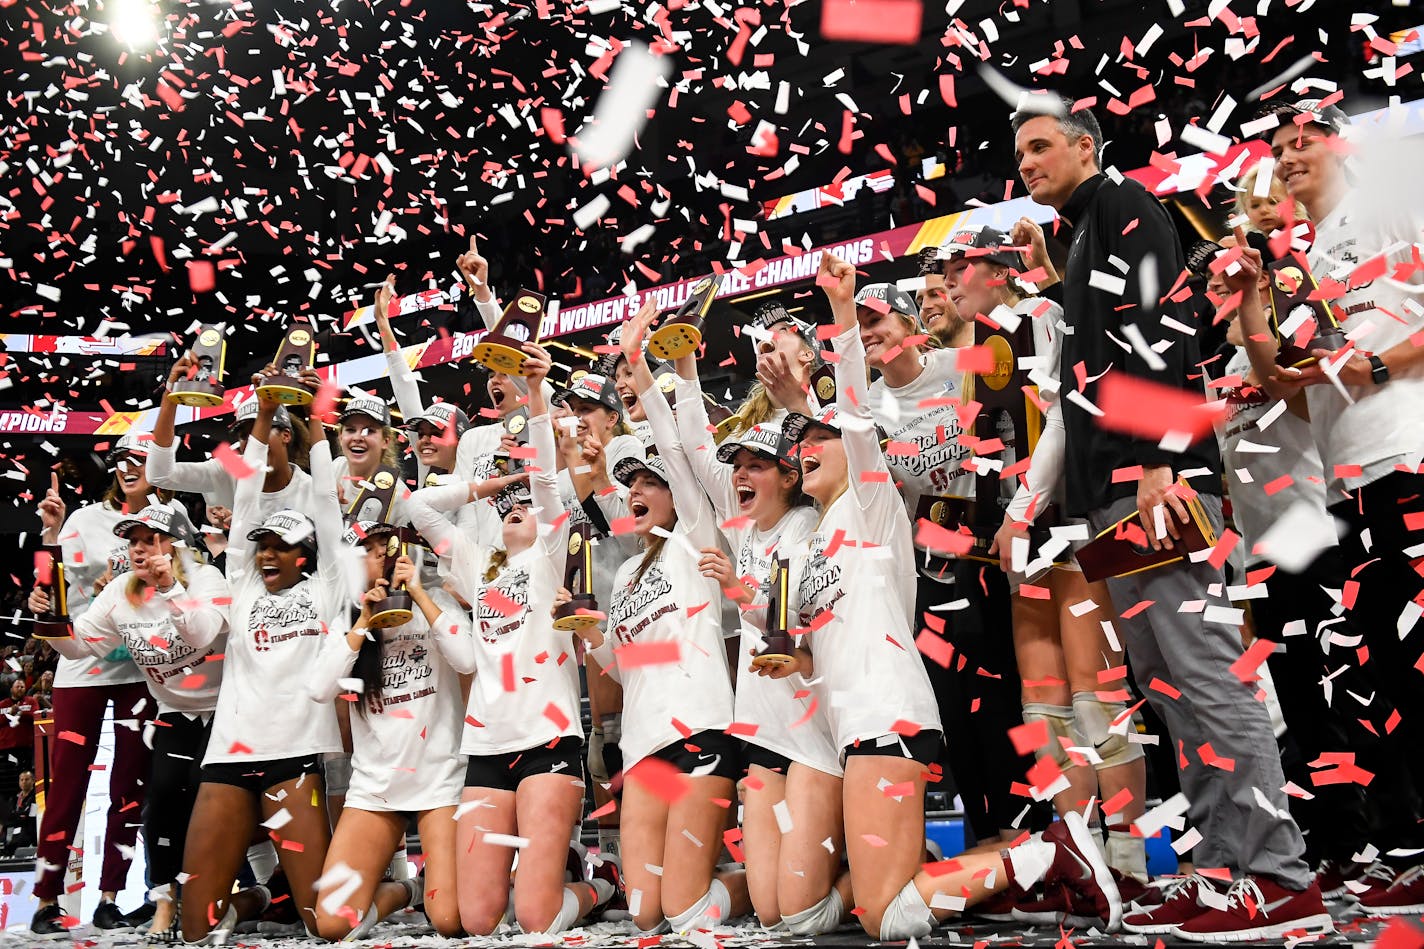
364 842
762 840
1088 653
1043 669
692 844
548 807
643 837
437 842
808 869
224 818
304 839
483 868
885 836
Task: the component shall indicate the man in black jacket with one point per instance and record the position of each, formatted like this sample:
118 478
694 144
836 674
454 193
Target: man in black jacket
1124 324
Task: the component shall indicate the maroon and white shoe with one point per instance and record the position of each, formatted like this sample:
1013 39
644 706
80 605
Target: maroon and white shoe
1180 902
1334 877
1402 896
1078 865
1257 907
1046 908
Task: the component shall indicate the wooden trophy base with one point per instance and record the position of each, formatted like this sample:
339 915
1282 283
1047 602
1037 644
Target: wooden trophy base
286 390
774 659
197 394
394 610
500 356
53 627
674 340
567 617
1296 357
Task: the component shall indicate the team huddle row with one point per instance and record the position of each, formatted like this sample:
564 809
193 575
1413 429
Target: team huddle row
748 600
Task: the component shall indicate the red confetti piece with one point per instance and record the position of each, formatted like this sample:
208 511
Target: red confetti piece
1151 410
1029 737
233 463
660 778
1246 667
638 655
872 21
554 714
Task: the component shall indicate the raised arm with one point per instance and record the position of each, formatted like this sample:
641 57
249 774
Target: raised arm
247 504
403 383
694 430
163 469
475 269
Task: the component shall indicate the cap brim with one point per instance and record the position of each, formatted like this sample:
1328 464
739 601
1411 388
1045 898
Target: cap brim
629 468
797 425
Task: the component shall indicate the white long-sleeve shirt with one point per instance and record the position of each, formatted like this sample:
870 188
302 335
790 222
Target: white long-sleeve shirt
855 591
88 542
210 479
404 749
264 711
787 718
671 603
176 639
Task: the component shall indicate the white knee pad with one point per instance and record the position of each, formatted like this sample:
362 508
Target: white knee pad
1059 719
824 917
568 914
364 927
337 769
711 910
1094 718
907 917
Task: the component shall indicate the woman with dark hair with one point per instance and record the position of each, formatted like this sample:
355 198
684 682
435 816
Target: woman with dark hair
754 484
263 764
83 690
675 713
170 613
405 724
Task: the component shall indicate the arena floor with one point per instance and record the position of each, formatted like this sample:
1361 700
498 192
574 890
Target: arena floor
409 930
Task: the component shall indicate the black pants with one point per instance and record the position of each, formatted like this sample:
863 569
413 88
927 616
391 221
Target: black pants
1387 581
980 697
1341 818
179 743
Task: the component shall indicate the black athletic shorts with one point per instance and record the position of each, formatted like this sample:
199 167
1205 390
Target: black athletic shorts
259 776
505 772
770 760
705 754
923 747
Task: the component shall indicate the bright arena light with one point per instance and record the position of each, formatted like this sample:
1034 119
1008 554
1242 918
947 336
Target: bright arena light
134 23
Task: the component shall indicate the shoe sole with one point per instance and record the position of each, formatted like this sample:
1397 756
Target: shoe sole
1318 925
1410 910
1151 929
1082 839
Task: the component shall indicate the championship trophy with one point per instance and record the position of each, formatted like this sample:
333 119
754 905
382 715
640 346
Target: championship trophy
375 497
823 384
1123 549
578 579
501 348
1301 324
54 623
516 425
777 650
1007 415
297 352
205 386
683 333
394 609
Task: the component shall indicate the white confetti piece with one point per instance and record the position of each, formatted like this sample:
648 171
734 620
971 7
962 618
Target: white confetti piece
637 80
